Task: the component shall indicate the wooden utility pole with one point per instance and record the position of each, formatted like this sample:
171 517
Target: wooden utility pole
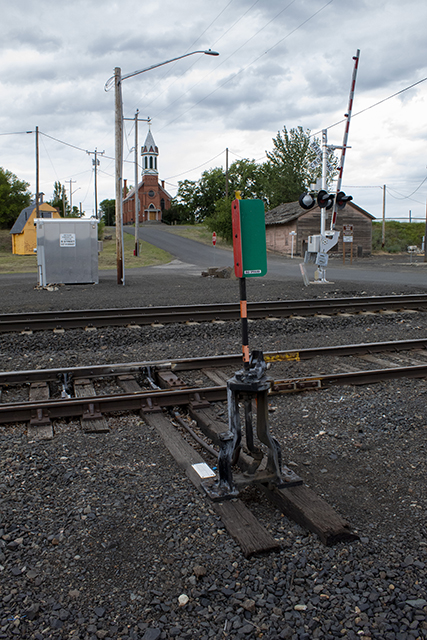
136 120
71 195
95 163
119 164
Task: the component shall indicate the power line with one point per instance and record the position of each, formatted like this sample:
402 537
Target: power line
195 168
373 105
252 62
411 194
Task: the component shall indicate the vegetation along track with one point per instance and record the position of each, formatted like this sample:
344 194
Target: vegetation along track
71 319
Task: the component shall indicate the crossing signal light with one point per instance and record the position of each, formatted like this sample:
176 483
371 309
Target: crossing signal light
306 201
342 199
325 200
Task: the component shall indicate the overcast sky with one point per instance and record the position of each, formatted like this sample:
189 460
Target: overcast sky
281 62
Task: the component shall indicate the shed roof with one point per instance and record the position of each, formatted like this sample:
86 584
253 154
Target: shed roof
289 211
23 217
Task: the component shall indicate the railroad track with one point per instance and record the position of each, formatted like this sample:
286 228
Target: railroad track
40 396
72 319
191 428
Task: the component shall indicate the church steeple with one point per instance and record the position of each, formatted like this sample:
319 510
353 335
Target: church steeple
149 153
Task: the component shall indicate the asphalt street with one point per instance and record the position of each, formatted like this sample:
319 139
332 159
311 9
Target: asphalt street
388 270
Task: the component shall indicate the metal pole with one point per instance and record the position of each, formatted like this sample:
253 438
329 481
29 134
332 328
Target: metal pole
244 319
383 225
37 174
119 167
226 173
425 238
96 182
117 79
324 179
136 187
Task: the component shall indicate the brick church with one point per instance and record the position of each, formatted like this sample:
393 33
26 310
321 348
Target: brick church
153 197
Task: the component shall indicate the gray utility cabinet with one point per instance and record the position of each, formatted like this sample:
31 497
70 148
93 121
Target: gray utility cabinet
67 251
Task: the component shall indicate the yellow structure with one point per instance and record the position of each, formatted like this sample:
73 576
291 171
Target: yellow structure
24 235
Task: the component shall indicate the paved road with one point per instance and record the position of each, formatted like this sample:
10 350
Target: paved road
192 255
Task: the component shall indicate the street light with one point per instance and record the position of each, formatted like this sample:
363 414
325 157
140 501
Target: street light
117 79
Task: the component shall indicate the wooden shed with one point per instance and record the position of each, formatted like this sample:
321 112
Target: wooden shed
289 221
24 235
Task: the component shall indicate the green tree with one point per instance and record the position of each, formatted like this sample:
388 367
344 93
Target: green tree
14 196
108 212
59 199
288 170
196 200
220 221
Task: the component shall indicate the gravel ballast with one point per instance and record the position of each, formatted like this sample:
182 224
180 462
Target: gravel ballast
103 536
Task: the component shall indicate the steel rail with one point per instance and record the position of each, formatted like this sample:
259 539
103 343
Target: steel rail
71 319
149 401
208 362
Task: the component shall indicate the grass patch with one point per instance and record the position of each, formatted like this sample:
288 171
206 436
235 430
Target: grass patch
149 255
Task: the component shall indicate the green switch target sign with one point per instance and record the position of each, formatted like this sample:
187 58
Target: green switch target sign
249 243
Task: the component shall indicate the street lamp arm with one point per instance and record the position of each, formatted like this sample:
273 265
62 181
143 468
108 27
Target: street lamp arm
110 81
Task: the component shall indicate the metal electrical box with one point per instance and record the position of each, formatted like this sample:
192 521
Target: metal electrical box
67 251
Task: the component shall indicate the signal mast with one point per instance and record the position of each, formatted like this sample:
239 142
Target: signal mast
319 245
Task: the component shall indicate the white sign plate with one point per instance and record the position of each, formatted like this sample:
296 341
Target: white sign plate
67 239
347 239
203 470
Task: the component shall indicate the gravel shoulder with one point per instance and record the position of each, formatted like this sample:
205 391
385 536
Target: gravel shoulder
101 534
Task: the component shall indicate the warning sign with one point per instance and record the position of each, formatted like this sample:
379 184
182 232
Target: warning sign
67 239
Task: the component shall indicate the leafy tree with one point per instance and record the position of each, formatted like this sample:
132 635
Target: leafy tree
59 199
108 212
196 200
220 221
288 170
14 196
398 235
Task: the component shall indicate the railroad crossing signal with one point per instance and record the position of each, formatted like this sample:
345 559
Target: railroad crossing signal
342 199
325 200
307 201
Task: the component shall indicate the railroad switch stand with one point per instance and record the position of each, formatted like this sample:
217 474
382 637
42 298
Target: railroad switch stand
251 383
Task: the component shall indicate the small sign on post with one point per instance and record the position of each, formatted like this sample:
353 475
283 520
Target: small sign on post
347 237
250 254
214 238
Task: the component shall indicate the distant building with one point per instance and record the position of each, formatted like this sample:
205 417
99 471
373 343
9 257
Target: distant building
24 235
153 197
290 217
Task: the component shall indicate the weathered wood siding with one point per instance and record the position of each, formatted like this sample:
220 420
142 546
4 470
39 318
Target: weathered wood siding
308 224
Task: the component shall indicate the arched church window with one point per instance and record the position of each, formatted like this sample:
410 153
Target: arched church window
151 162
155 163
162 204
146 163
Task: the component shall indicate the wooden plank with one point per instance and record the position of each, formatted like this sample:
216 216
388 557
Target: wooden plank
300 503
218 377
43 430
128 383
306 508
238 520
84 388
